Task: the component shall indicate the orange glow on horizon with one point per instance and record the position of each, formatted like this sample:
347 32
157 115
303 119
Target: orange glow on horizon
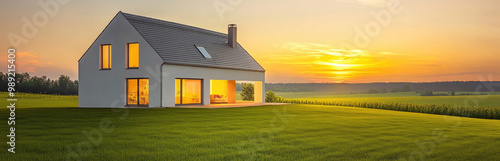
324 63
303 42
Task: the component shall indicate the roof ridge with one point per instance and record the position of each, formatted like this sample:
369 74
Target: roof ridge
174 44
172 24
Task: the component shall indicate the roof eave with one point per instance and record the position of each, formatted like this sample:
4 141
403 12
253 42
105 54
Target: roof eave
208 66
120 12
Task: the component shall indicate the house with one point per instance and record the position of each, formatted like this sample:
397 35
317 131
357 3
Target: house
141 61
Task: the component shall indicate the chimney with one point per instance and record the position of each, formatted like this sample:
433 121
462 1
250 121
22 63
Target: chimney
231 35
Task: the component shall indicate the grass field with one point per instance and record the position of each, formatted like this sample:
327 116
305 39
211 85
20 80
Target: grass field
27 100
288 132
301 132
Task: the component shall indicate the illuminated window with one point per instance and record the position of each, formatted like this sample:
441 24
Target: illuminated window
188 91
137 91
131 91
105 56
177 91
133 55
143 91
191 91
218 91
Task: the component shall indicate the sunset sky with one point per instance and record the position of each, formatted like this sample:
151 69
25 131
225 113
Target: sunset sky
294 40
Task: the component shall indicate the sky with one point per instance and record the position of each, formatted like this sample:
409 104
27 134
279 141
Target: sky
335 41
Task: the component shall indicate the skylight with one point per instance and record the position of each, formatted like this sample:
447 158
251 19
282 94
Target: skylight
203 52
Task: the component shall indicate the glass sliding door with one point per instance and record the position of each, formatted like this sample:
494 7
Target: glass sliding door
131 91
177 91
188 91
137 91
143 91
191 91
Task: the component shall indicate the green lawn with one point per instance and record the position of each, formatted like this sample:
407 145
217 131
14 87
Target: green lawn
308 132
287 132
492 100
27 100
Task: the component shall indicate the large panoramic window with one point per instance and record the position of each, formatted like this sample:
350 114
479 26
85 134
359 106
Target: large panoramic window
188 91
105 56
137 91
133 55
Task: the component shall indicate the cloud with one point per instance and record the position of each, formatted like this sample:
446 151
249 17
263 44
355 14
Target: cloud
459 74
38 65
28 62
378 3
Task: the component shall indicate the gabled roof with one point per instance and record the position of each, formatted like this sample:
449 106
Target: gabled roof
175 43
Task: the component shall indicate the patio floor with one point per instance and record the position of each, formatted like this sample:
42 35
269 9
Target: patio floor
237 104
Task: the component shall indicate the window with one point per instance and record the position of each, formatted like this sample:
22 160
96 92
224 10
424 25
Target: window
133 55
143 91
131 91
106 56
188 91
177 91
138 91
203 52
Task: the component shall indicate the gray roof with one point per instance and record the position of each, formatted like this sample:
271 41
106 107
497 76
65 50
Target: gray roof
175 43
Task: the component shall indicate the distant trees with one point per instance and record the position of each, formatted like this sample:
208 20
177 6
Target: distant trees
467 86
66 86
373 91
396 90
452 93
290 87
247 91
238 86
427 93
406 88
35 84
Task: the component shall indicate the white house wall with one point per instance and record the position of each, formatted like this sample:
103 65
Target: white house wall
171 72
107 88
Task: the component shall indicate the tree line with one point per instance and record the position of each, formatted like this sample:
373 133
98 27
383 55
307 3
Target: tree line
480 86
405 88
43 85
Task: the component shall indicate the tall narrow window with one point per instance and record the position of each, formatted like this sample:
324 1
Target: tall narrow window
143 91
177 91
105 56
133 55
137 92
131 91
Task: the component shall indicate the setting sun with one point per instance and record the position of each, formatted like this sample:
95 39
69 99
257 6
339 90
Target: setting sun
303 42
250 80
